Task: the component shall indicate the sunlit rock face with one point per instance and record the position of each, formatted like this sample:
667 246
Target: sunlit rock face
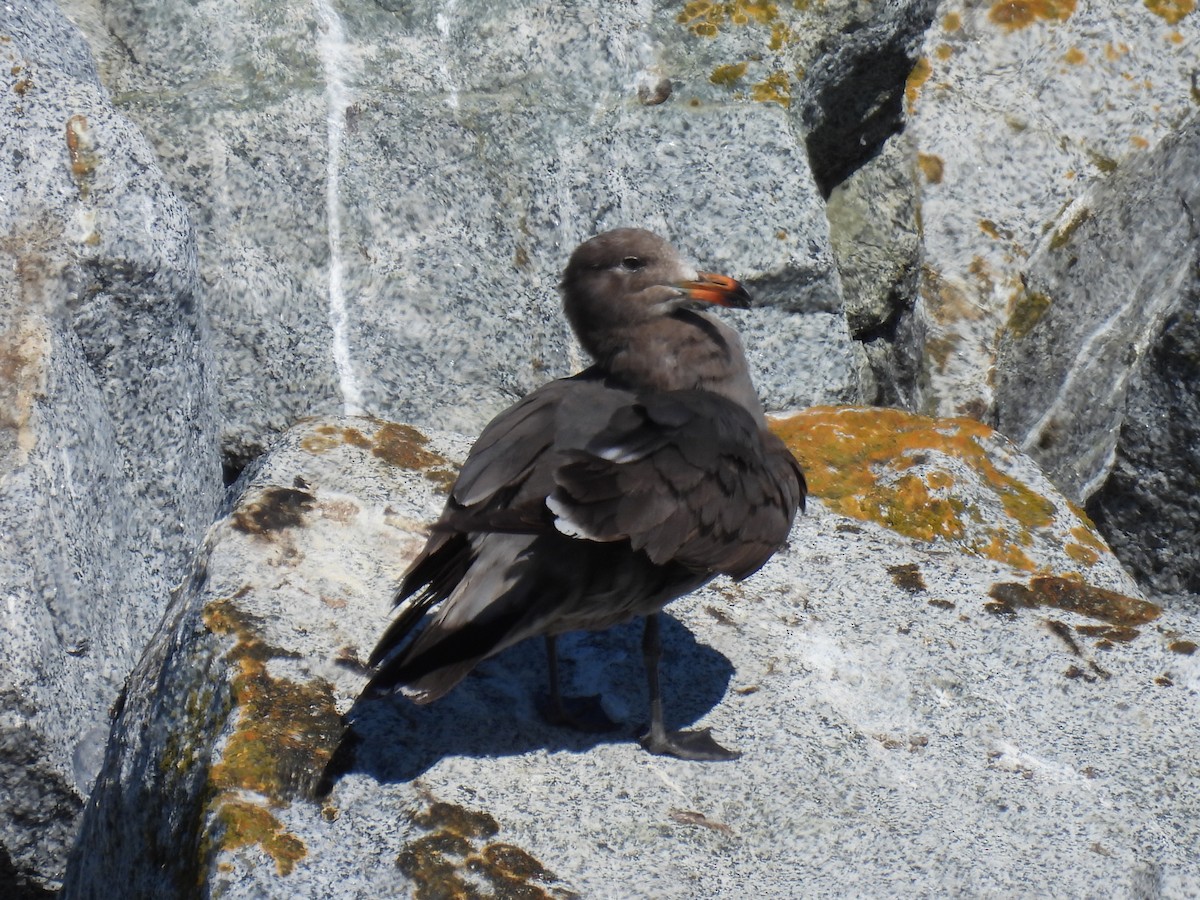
109 466
1017 110
979 211
923 673
385 194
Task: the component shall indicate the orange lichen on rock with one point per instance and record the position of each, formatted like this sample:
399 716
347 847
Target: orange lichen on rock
1172 11
916 80
1073 594
455 857
775 88
727 75
931 167
81 149
396 444
901 470
284 735
704 18
245 824
1013 15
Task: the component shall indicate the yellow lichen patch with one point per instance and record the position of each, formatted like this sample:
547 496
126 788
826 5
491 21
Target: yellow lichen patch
781 36
952 21
453 860
931 167
1172 11
775 88
404 446
916 80
943 52
1114 52
940 481
1073 594
946 301
705 18
327 437
1075 57
883 465
244 824
397 445
939 349
1081 554
283 738
1063 234
286 731
1008 552
1013 15
727 75
994 230
1087 536
1027 309
1139 142
1105 164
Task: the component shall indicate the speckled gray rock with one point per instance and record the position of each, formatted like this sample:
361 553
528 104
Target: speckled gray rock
873 227
1100 287
1016 111
916 719
385 194
109 467
1096 373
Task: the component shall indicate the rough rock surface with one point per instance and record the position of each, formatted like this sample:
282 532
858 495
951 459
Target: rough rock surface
385 194
109 467
1149 508
874 234
1121 261
917 716
1016 110
1098 370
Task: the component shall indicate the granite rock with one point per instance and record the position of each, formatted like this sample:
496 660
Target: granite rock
1016 112
109 466
1097 366
1149 508
932 699
385 194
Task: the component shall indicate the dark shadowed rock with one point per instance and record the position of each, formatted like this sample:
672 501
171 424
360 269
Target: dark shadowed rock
1149 507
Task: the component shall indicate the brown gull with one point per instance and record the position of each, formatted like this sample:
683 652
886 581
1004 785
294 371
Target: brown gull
602 497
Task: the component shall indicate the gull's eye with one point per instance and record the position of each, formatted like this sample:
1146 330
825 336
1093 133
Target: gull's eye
633 263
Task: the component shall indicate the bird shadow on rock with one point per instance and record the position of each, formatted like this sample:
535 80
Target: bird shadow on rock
493 712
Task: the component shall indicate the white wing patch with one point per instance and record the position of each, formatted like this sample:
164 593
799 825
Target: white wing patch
568 526
617 454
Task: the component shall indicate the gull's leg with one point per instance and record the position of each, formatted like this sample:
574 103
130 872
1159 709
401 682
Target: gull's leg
582 713
682 744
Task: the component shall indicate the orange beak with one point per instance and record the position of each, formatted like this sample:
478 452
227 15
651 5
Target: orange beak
720 290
